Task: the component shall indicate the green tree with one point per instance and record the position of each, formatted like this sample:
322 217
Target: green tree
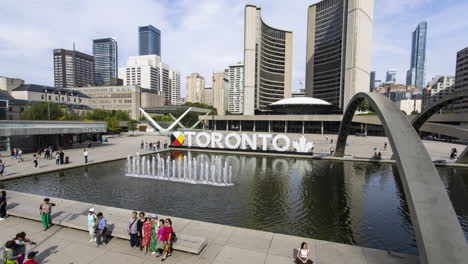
112 124
132 125
363 106
200 105
41 111
101 114
414 112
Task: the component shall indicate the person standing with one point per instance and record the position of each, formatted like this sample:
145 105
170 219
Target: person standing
57 158
385 146
332 150
31 256
168 239
45 210
20 155
35 161
85 154
3 206
101 230
19 250
91 224
326 138
2 168
153 246
140 223
62 156
145 241
161 236
132 230
9 256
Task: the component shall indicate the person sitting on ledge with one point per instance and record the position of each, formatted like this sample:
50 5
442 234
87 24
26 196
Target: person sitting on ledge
303 255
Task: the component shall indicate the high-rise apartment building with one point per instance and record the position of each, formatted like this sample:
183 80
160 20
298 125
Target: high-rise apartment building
439 87
149 40
143 71
267 62
372 81
195 88
461 79
105 60
165 83
174 77
339 38
72 68
391 76
236 89
220 91
208 96
416 74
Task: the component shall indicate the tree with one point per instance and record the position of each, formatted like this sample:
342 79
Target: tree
101 114
112 124
132 125
363 106
200 105
415 112
41 111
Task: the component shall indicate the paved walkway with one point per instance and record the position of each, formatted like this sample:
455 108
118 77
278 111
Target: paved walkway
226 244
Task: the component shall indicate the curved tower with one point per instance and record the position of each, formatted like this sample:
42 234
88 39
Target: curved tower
267 62
339 37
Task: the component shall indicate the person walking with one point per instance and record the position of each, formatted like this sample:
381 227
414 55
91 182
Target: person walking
31 258
145 241
2 168
35 161
13 153
57 158
3 206
101 230
62 156
133 231
326 138
140 223
9 256
91 223
332 150
20 155
169 233
303 255
85 154
45 210
385 146
153 246
19 250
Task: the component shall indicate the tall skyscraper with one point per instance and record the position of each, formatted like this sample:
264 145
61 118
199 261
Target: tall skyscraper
72 68
236 89
143 71
149 40
174 77
416 74
105 60
461 79
339 38
195 88
220 91
165 83
372 81
391 76
267 62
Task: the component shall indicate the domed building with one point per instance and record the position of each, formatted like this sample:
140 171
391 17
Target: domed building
302 106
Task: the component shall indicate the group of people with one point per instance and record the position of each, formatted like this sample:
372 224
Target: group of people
154 146
17 154
151 234
453 153
15 250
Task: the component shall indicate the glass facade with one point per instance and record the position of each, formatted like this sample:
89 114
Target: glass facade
416 73
329 51
149 39
105 60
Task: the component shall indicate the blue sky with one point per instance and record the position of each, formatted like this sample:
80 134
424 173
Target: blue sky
207 35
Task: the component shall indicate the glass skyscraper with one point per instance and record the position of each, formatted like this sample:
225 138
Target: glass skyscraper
416 74
105 60
149 40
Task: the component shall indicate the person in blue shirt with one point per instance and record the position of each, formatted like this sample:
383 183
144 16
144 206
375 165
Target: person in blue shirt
101 230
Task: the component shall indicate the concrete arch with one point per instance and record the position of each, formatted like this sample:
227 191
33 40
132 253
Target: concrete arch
435 107
439 235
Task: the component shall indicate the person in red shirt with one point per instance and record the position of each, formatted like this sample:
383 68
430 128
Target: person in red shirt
168 239
31 258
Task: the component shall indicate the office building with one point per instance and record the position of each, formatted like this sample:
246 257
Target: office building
174 78
72 68
372 81
461 79
236 89
220 91
143 71
149 41
339 38
105 60
165 83
391 76
416 74
195 88
208 96
267 62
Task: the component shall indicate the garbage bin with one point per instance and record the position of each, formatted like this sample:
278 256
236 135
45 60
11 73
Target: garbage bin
67 160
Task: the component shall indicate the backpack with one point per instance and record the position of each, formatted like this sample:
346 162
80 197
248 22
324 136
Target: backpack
173 237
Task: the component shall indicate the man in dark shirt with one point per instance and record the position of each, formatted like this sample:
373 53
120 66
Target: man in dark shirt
140 223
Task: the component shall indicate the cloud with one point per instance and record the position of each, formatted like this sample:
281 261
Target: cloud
207 35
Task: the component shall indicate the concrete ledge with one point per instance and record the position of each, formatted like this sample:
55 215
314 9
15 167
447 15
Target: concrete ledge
73 214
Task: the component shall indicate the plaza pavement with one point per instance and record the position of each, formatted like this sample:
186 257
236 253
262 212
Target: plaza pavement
226 244
118 147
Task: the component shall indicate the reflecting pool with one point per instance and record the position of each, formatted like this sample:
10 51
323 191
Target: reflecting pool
348 202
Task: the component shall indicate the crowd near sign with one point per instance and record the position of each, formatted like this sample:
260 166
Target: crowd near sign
254 141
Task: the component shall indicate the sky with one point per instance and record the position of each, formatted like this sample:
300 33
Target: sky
205 36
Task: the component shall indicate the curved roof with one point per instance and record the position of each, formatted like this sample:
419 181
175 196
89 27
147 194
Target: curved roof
300 101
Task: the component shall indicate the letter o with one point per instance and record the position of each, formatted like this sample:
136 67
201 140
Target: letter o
227 141
200 143
286 141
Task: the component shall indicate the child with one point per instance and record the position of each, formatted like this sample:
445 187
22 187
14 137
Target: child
9 257
35 161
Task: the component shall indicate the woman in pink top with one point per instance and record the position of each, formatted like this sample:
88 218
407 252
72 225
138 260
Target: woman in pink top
161 237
